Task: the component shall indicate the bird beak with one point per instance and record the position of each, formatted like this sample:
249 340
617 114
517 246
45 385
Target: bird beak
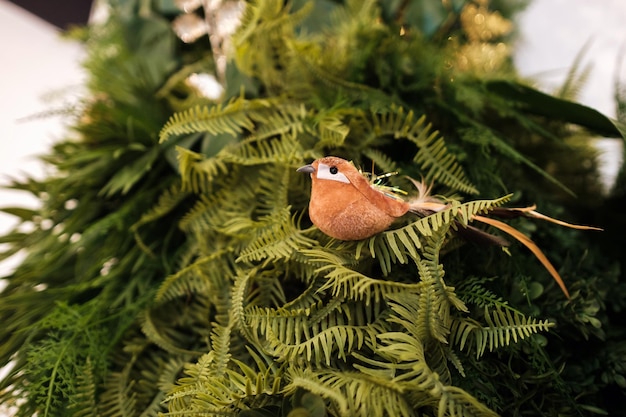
307 169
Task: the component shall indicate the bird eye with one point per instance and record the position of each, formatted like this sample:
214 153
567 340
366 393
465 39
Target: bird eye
330 172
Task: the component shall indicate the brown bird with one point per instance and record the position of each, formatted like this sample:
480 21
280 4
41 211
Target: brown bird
345 205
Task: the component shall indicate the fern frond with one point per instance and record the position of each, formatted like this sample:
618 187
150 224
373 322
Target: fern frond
196 375
83 401
431 271
208 392
234 117
286 121
358 92
337 341
455 402
119 396
380 160
352 393
212 211
265 380
472 291
406 363
237 308
197 172
398 245
332 131
171 372
432 155
275 237
260 40
155 334
441 166
220 343
201 277
168 200
503 326
310 296
272 189
305 333
347 283
267 290
283 150
236 390
470 209
394 245
426 315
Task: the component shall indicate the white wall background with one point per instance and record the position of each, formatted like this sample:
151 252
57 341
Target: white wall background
38 65
554 32
39 73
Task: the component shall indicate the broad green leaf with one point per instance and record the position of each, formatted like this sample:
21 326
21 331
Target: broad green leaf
536 102
23 213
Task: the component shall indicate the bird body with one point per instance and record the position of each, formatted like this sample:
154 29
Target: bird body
345 205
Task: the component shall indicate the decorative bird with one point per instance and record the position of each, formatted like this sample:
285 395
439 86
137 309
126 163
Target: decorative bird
347 206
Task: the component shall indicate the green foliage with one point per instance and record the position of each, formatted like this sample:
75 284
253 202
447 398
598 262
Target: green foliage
172 268
84 281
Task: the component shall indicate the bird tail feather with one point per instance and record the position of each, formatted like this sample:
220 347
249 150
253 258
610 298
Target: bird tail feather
424 205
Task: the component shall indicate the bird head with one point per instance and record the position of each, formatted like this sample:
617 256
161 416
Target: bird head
330 169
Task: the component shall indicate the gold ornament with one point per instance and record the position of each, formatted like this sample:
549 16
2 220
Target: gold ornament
483 52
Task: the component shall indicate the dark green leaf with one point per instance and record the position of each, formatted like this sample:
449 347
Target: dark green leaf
535 102
23 213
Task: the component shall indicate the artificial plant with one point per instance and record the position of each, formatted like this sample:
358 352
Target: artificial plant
172 268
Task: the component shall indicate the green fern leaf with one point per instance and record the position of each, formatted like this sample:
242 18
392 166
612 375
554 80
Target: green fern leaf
266 28
347 283
402 244
118 398
318 337
276 237
352 393
356 91
198 172
207 392
332 131
83 401
234 118
203 276
381 161
503 327
506 325
432 155
472 291
455 402
404 359
287 121
164 341
168 200
212 211
282 150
